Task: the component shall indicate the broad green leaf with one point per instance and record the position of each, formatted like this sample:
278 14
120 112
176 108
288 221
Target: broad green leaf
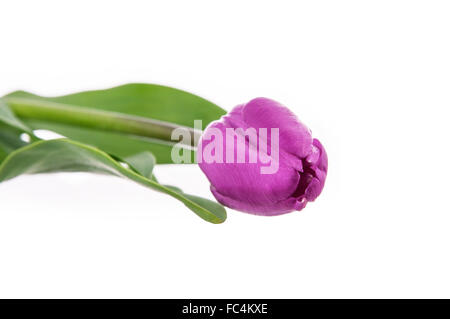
10 140
143 163
119 145
8 117
63 155
11 130
3 153
144 100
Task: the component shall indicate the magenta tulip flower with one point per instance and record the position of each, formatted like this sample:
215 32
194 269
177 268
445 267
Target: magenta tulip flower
261 159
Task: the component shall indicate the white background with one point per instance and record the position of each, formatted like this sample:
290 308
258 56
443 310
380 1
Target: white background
370 78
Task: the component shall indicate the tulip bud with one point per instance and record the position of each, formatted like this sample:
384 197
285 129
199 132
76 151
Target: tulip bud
261 159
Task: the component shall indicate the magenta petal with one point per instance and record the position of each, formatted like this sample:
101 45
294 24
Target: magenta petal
243 187
319 165
322 162
276 208
302 164
295 137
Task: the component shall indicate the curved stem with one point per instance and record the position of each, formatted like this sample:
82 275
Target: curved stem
98 119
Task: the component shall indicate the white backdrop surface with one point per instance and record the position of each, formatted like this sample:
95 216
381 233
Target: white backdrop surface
370 78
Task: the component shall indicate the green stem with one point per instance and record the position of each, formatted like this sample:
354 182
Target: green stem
98 119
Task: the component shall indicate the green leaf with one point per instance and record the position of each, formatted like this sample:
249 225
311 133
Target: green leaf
142 163
119 145
10 140
8 117
144 100
63 155
11 130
